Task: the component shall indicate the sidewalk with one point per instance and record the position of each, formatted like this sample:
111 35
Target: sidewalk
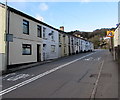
108 83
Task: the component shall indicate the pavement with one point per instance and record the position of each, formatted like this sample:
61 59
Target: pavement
70 77
108 83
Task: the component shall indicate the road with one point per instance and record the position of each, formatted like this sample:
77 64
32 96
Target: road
84 75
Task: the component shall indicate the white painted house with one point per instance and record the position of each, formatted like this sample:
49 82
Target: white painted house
50 43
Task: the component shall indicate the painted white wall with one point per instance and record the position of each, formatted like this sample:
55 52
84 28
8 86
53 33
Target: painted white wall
116 37
15 48
70 45
83 45
60 45
48 41
2 39
119 35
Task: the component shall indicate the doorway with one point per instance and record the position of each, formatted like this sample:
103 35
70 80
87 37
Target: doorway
38 52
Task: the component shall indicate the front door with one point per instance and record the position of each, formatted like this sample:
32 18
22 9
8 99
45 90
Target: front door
38 52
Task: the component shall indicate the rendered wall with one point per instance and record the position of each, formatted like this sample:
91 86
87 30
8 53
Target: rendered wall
15 47
2 39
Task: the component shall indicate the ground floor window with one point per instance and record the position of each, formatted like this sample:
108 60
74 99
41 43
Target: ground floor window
52 48
26 49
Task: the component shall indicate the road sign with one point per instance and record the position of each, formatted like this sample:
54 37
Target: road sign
110 33
9 37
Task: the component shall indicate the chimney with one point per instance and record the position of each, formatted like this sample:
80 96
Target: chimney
62 28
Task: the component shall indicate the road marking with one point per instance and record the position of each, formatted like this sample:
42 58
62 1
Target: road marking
89 59
93 59
17 77
8 75
96 83
38 76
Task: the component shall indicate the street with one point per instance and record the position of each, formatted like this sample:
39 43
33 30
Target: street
85 75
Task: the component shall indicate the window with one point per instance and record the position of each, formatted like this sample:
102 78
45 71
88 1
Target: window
44 30
25 27
39 31
52 35
59 38
72 41
68 40
52 48
26 49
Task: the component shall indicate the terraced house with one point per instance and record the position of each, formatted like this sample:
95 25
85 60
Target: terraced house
24 40
32 40
116 38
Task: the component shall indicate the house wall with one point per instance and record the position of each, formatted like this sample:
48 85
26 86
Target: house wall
15 47
79 45
116 40
119 35
72 45
16 22
119 44
69 45
2 39
60 48
66 45
63 45
50 42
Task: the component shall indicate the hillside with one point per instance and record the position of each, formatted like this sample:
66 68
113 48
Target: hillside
97 36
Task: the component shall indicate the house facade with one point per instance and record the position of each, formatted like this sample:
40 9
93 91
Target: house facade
50 43
116 42
3 60
60 37
32 40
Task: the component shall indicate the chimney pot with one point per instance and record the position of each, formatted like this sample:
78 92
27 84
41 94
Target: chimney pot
62 28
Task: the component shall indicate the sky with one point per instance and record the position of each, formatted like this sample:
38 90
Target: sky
83 16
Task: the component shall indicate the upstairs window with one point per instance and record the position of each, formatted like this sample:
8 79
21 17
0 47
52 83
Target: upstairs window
39 31
44 31
52 35
25 27
59 38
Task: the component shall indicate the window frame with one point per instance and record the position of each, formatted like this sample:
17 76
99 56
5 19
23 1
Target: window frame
52 36
28 46
26 23
59 38
39 29
44 32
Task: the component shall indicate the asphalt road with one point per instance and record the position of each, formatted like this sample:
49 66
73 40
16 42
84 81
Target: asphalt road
77 76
